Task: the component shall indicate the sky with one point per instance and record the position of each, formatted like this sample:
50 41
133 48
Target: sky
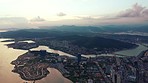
35 13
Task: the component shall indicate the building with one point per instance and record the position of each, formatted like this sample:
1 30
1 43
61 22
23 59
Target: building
79 58
43 53
89 81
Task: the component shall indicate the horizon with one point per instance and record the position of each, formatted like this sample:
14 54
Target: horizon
33 14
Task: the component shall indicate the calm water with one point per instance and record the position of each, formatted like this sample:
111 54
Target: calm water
130 52
133 52
28 41
6 76
52 51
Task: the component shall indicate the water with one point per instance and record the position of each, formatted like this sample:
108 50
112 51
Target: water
88 56
6 56
132 52
6 76
3 30
133 33
54 77
28 41
52 51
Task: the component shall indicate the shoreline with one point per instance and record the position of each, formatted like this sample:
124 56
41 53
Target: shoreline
34 65
29 68
113 52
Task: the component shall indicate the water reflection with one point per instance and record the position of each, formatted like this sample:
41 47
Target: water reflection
6 56
6 76
28 41
52 51
54 77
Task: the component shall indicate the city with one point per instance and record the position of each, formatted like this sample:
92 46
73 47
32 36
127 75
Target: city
73 41
102 69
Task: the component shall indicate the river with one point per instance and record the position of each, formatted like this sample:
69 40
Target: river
6 76
132 52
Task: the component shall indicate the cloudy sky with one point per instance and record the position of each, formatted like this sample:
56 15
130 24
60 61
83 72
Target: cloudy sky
34 13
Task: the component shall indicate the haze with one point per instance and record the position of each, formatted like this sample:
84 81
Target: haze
35 13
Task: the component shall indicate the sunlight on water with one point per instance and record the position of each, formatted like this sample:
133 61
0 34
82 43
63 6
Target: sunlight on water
28 41
52 51
6 76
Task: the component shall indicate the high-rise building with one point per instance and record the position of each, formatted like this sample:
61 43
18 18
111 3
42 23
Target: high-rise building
79 58
42 53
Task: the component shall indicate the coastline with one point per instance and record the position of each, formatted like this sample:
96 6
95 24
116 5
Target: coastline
34 65
29 69
10 54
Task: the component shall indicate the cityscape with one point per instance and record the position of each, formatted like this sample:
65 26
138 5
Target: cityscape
102 69
32 66
73 41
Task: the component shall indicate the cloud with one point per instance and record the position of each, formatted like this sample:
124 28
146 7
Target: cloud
37 19
7 22
61 14
137 14
135 11
145 12
86 17
13 20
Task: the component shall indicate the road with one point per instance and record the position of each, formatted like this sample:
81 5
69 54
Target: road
103 73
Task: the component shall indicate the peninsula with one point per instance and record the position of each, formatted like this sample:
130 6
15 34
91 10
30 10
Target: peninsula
33 64
103 69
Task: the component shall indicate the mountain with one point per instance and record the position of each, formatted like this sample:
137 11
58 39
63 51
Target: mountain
100 29
73 28
70 40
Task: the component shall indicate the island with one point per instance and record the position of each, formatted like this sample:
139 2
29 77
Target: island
22 45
